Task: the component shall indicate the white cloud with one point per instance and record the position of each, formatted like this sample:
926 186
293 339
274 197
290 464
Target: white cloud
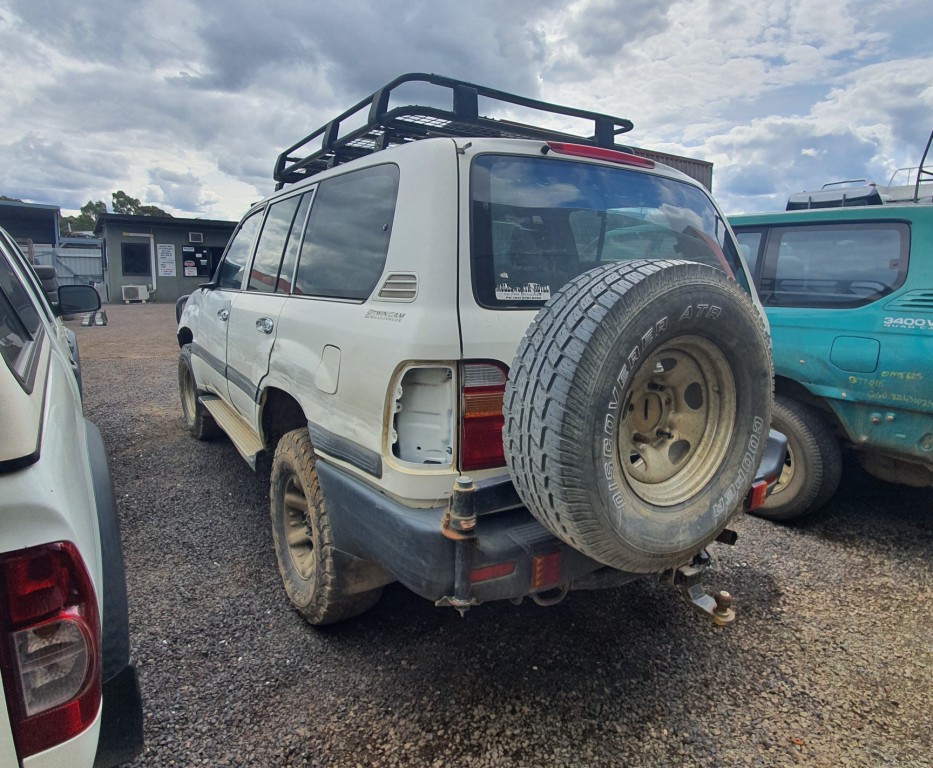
189 103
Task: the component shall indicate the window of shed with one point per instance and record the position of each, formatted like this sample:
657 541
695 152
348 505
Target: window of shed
136 261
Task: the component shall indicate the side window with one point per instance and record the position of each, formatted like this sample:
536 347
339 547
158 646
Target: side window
834 264
264 273
293 246
750 248
19 319
231 269
347 237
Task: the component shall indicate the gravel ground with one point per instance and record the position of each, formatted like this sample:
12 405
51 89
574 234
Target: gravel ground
830 662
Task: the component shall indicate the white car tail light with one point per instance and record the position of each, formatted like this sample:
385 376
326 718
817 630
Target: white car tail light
50 648
482 389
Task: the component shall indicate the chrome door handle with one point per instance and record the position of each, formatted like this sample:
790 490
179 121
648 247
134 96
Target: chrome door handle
264 325
223 314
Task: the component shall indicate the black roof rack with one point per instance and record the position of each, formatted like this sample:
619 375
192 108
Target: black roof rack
385 127
923 171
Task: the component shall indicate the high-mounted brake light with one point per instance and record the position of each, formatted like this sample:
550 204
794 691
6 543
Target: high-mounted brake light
50 645
599 153
481 393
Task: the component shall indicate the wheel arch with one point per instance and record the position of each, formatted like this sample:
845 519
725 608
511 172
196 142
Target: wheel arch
280 413
790 388
185 336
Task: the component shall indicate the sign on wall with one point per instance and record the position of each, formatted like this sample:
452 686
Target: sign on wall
166 256
197 260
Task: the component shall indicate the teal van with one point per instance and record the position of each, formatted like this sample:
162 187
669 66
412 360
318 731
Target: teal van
849 295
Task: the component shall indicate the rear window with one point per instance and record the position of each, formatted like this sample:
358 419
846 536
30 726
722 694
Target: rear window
833 265
539 222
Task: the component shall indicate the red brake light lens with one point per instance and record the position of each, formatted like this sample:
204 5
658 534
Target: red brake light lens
600 153
757 495
50 645
481 420
489 572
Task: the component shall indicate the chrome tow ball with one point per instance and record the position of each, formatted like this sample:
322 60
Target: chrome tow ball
718 606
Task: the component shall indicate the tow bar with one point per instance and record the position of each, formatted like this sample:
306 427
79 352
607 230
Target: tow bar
718 606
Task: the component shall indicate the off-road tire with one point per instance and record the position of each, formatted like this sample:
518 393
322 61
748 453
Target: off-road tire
637 409
813 467
198 420
301 534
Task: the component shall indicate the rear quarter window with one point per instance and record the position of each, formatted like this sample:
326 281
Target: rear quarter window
347 238
833 265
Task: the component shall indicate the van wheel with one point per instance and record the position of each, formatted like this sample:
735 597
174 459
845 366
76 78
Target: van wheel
302 538
636 411
197 419
813 467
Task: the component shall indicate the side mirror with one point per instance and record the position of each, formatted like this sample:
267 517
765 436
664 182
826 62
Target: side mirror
73 299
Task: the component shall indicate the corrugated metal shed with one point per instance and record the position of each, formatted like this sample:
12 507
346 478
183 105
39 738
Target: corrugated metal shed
700 170
76 261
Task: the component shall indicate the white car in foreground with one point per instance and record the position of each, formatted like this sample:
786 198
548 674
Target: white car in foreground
70 692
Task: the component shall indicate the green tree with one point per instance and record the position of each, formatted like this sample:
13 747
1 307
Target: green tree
84 222
123 203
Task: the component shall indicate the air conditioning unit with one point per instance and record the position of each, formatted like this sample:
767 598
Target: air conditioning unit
135 293
195 237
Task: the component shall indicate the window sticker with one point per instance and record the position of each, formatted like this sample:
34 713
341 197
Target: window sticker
527 292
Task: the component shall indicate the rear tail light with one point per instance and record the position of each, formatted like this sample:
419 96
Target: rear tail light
50 645
757 495
488 572
481 393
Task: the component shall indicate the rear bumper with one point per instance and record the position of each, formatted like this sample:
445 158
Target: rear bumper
410 545
773 458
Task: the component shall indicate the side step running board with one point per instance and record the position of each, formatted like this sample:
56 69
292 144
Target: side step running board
239 432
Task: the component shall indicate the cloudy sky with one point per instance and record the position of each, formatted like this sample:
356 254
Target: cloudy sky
186 105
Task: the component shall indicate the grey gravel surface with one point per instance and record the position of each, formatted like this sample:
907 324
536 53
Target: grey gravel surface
830 662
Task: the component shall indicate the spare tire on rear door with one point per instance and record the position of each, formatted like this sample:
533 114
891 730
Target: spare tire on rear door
636 411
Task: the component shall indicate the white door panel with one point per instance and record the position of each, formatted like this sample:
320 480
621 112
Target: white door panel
252 329
210 341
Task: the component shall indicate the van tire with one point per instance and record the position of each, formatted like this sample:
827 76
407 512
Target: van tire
813 467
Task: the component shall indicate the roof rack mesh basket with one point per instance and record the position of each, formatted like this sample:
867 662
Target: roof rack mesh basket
332 144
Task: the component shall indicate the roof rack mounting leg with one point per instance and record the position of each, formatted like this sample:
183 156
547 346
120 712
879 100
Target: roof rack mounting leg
921 171
605 132
466 102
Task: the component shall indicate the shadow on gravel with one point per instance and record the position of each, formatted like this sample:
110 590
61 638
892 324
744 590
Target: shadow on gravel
867 512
